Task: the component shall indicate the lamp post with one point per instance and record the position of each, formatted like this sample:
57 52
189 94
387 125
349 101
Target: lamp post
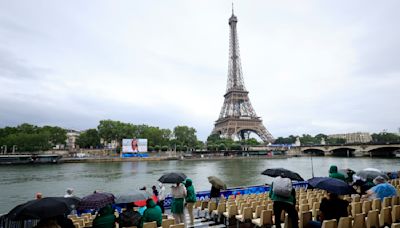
14 148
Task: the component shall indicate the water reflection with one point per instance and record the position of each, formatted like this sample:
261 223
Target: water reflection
19 183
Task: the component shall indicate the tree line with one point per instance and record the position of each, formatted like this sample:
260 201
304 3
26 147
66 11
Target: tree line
30 138
306 139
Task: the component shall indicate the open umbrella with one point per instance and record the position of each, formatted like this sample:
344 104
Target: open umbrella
43 208
332 185
172 178
216 182
132 197
96 200
282 172
370 174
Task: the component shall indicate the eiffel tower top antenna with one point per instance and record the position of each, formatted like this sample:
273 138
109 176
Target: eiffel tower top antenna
232 9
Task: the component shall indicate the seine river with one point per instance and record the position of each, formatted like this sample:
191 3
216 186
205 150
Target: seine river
19 183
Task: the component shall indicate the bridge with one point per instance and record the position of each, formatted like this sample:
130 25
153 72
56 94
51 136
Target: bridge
342 150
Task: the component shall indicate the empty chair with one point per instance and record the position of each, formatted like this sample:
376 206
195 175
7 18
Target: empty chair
395 200
387 202
264 220
395 225
366 206
211 206
230 213
305 217
385 218
245 216
376 204
150 225
356 208
218 212
356 198
372 219
303 207
359 221
345 222
257 213
167 222
180 225
329 223
396 213
315 210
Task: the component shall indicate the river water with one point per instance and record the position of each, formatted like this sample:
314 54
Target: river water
19 183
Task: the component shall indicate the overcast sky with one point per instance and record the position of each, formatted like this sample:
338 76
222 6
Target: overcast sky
310 66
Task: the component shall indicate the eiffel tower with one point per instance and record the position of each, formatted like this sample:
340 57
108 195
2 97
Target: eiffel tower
237 117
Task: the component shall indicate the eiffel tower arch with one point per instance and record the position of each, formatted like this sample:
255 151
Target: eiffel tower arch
237 118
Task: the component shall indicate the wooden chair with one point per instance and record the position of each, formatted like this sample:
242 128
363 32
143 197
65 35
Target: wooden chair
366 206
164 216
257 213
359 221
356 208
385 218
373 219
244 217
395 200
150 225
230 213
180 225
305 217
217 213
345 222
396 213
211 206
264 220
315 210
166 223
376 204
395 225
329 223
387 202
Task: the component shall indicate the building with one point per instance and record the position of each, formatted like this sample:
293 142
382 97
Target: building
72 135
358 137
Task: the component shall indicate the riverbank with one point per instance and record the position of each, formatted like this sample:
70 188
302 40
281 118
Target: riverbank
136 159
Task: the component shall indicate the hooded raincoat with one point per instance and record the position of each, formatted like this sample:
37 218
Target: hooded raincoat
333 173
191 194
105 218
152 213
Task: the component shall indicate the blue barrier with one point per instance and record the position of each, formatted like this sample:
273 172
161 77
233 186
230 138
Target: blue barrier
205 195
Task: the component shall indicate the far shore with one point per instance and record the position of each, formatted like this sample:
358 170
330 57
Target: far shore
164 158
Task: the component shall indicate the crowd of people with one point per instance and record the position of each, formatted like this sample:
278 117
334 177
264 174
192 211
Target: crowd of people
183 195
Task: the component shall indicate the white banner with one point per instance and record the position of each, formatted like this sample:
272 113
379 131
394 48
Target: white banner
134 145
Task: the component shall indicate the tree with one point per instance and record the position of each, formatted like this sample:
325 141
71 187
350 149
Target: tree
89 139
385 137
57 135
185 135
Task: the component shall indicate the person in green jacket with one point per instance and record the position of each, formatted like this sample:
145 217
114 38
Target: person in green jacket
190 199
105 218
152 213
333 172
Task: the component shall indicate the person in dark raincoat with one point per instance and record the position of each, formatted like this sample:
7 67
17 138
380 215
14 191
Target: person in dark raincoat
333 173
152 213
105 218
190 199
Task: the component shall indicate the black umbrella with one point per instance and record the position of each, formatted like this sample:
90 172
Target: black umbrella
332 185
43 208
283 173
96 200
172 178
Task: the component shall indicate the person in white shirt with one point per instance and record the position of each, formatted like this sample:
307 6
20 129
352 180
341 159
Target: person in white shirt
70 192
161 197
178 201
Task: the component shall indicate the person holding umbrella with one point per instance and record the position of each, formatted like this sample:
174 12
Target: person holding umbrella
381 190
330 208
284 197
190 199
178 197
